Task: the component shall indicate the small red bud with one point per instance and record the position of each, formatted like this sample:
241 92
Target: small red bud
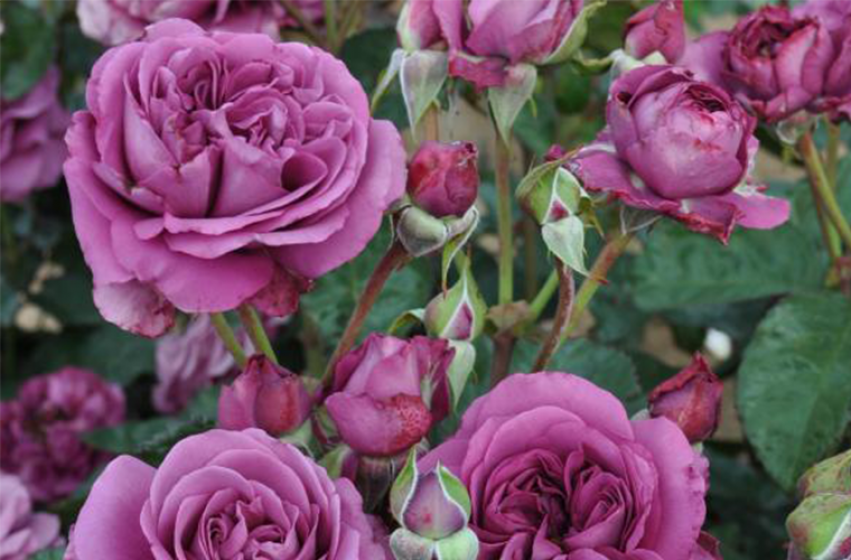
443 178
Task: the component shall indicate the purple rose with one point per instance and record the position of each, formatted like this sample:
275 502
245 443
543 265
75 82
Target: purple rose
443 178
657 28
22 531
264 396
680 147
555 469
40 430
387 393
31 146
773 62
113 22
223 494
835 16
216 169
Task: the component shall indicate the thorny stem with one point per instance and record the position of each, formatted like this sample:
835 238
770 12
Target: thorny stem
566 293
256 332
228 337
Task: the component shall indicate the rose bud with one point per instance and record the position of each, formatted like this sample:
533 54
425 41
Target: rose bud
820 527
265 396
549 192
680 147
657 28
691 399
459 313
831 475
387 392
418 27
443 178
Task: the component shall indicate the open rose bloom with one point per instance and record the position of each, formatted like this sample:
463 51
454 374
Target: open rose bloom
211 170
680 147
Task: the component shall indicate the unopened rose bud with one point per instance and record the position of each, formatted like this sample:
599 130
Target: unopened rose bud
264 396
550 193
691 399
417 27
820 527
830 476
458 314
443 178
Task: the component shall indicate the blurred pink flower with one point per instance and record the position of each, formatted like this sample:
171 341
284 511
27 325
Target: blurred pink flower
22 531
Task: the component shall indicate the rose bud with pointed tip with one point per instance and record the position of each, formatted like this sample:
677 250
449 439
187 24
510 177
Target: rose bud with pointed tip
431 511
820 527
691 399
549 193
443 178
265 396
458 314
417 27
831 475
657 28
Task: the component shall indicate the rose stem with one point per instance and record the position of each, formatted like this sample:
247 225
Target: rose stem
504 225
530 261
608 256
821 187
226 334
833 142
502 352
430 122
254 327
394 259
566 292
305 24
543 298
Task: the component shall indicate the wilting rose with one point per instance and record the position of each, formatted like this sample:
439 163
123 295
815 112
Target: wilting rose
113 22
835 16
773 62
443 178
657 28
22 531
40 430
691 399
31 146
680 147
215 169
224 494
265 396
387 393
555 469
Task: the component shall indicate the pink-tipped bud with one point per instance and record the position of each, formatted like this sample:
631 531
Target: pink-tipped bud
443 178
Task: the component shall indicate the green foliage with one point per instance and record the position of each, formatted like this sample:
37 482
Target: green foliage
27 47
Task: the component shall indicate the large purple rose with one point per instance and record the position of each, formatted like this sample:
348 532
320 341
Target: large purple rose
113 22
556 470
22 531
40 430
31 147
223 494
216 169
680 147
773 62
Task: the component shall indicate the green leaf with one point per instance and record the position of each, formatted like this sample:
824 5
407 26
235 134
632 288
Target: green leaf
606 367
26 49
49 554
69 299
680 268
506 101
794 389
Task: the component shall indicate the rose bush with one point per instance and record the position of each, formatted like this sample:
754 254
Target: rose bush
563 473
214 169
680 147
223 494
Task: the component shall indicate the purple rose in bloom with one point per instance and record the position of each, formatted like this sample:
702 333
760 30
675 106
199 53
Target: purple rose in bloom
22 531
443 178
113 22
657 28
555 469
40 430
264 396
224 494
773 62
835 16
387 392
211 170
31 146
680 147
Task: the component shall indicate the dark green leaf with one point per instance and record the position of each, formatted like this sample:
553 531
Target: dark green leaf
9 303
794 389
69 299
26 49
50 554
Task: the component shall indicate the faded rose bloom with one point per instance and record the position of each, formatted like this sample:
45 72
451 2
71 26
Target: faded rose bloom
680 147
224 494
773 62
387 393
264 396
216 169
22 531
31 146
657 28
113 22
555 469
40 430
835 16
443 178
691 399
